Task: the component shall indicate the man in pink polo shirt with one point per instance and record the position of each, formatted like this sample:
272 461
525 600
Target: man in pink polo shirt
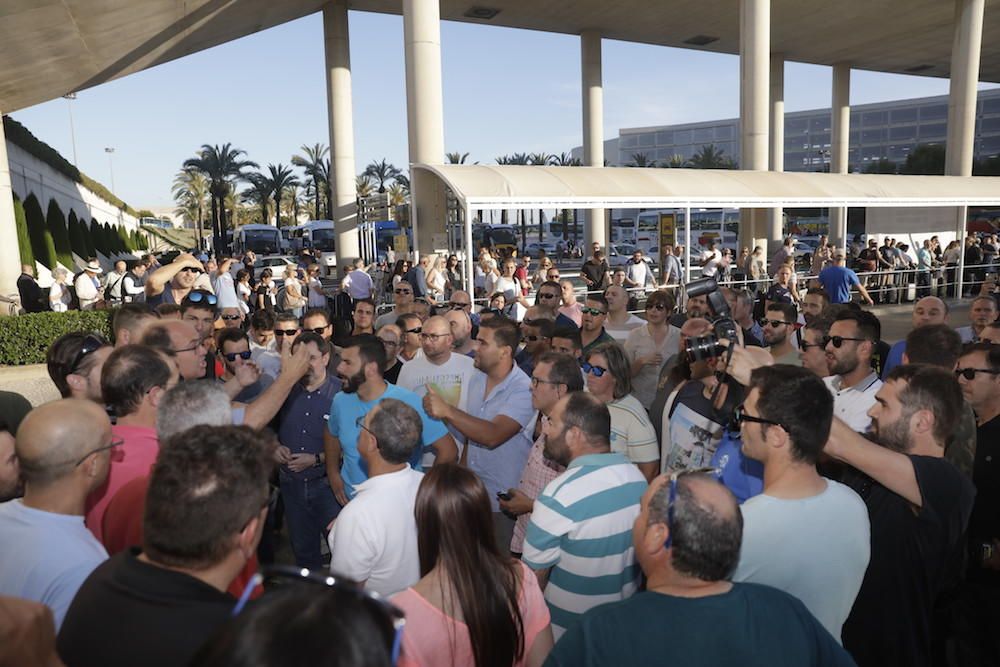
133 381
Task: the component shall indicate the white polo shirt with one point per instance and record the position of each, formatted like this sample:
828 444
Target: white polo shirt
375 537
852 404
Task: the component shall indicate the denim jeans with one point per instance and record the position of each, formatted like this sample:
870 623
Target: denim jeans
309 508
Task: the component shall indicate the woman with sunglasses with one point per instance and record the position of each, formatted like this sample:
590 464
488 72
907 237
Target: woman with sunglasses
474 605
649 346
609 379
540 275
453 276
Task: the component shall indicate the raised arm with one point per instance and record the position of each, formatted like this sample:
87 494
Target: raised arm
892 470
159 279
489 433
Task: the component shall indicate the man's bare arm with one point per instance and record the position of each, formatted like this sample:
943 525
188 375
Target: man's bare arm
892 470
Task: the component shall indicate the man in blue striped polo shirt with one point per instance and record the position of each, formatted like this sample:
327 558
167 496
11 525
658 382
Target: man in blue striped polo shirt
579 541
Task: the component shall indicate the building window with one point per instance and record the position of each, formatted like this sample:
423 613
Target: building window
724 133
629 141
796 126
902 133
873 118
646 139
989 125
934 112
704 136
903 115
872 136
821 124
664 138
934 131
991 105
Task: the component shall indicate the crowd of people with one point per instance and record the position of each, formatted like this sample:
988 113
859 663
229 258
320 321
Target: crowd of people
555 481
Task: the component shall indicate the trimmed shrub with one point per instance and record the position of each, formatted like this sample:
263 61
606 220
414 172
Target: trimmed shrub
23 240
42 245
26 338
123 238
96 238
55 220
76 235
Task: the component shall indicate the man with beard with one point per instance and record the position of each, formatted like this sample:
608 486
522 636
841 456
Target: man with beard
849 348
363 386
402 300
814 302
918 504
173 282
364 317
812 349
74 363
461 331
780 321
10 471
594 502
309 502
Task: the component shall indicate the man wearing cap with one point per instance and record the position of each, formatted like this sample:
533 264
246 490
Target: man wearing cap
88 286
837 280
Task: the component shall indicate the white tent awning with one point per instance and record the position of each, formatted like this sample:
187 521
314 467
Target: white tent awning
502 186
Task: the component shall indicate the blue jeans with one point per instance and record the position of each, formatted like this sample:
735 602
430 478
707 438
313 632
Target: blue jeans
309 508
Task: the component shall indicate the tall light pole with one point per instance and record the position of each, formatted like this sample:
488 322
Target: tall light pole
111 167
69 97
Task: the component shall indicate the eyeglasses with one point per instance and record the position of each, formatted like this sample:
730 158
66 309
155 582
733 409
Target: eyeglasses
403 291
839 340
91 343
547 295
741 416
316 330
231 356
360 423
535 381
230 318
285 332
672 497
655 306
596 371
775 323
417 331
587 310
191 269
970 373
198 297
330 580
430 336
116 442
389 343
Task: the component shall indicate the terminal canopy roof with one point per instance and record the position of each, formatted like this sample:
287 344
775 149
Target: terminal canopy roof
492 187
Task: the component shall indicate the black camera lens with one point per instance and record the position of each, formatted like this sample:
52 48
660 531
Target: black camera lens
703 348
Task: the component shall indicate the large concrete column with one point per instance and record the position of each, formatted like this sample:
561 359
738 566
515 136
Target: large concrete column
10 257
337 45
755 56
595 226
965 49
840 139
425 118
776 139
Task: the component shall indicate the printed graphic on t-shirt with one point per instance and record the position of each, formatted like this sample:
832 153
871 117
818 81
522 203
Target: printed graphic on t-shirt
694 439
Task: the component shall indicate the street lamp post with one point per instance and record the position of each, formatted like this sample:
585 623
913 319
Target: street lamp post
69 97
111 167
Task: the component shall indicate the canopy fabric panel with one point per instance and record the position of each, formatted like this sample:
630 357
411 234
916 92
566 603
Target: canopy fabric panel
502 186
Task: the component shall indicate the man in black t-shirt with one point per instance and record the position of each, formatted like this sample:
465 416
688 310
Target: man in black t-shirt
595 272
919 506
204 514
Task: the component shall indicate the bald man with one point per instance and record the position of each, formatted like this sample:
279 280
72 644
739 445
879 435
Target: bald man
928 310
46 551
461 332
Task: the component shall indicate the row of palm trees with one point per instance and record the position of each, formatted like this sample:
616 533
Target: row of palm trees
707 157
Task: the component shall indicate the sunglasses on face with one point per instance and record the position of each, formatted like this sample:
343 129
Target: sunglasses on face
970 373
191 269
742 417
596 371
231 356
403 291
775 323
547 295
317 330
587 310
285 332
533 339
655 306
839 340
199 297
418 330
230 318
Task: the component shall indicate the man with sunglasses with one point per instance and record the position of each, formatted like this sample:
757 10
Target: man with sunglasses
74 363
233 350
849 348
173 282
593 316
687 541
804 534
919 506
779 325
317 320
47 552
390 335
978 374
536 333
594 502
548 299
402 300
411 326
199 309
812 349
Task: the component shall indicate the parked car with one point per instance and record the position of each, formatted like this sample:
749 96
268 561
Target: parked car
621 254
276 263
534 249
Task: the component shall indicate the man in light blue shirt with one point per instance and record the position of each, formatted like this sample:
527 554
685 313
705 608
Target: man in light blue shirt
46 551
498 414
362 388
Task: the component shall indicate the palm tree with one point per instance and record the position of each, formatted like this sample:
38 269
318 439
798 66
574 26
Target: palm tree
191 192
363 186
327 191
293 201
567 160
279 179
641 160
675 162
542 160
710 157
456 158
382 171
258 194
312 164
397 195
521 158
222 165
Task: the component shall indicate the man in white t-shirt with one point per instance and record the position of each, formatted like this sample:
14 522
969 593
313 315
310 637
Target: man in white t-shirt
437 365
852 381
710 261
358 283
374 540
806 535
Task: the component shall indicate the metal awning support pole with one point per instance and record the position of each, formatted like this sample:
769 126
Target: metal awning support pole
963 215
469 281
687 244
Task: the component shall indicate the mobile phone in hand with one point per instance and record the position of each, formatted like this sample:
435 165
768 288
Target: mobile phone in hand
503 495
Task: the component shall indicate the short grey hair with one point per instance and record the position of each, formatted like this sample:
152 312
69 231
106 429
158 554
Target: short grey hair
192 403
59 271
398 430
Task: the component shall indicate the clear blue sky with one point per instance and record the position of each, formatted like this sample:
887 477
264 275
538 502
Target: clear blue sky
505 91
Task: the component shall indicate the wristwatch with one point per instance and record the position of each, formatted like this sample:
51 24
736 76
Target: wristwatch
318 461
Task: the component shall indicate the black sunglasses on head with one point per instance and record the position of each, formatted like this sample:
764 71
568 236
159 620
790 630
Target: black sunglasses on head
91 343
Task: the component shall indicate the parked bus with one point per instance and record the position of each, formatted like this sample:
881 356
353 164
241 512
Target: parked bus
262 239
719 225
320 237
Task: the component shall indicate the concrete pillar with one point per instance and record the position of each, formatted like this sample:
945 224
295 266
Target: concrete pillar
10 258
840 137
595 226
337 45
755 57
966 45
425 117
776 139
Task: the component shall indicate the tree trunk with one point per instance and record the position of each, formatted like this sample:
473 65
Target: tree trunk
198 231
216 240
316 189
221 247
576 228
540 223
524 231
277 208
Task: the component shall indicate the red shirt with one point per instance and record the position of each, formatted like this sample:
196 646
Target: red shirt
133 459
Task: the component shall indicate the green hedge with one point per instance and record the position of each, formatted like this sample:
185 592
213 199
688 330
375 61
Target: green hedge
76 235
56 222
42 245
88 237
23 240
24 339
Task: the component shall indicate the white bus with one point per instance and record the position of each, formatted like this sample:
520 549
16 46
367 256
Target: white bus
719 225
262 239
320 237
